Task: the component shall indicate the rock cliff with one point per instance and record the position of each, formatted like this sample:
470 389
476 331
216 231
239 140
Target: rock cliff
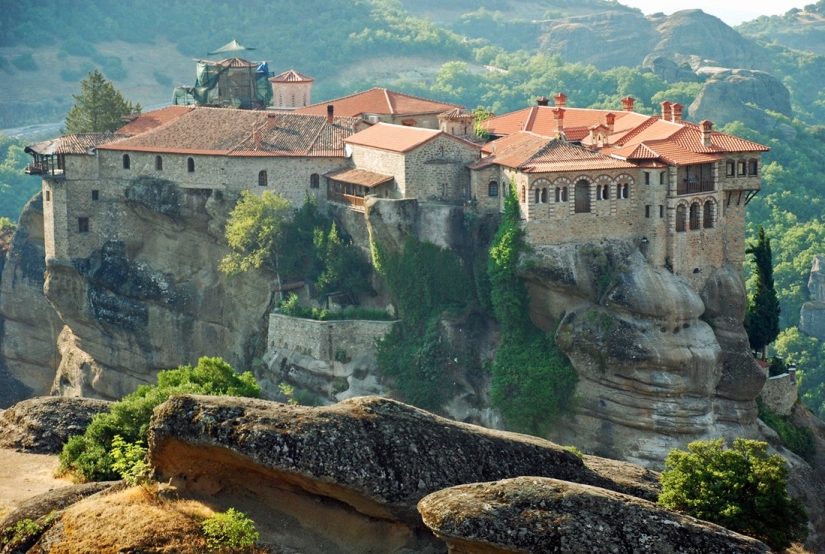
812 316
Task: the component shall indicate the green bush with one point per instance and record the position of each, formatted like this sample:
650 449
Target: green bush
18 534
798 440
291 307
229 530
741 488
129 460
89 457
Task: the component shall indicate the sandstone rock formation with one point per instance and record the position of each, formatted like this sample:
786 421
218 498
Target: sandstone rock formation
375 458
532 514
41 425
812 316
654 374
156 301
28 324
729 95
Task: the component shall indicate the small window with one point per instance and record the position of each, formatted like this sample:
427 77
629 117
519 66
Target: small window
83 224
662 178
752 167
681 223
694 217
661 211
127 162
314 181
647 177
48 196
190 165
492 188
647 211
707 215
158 163
544 195
625 190
523 194
95 195
730 168
538 196
741 167
262 178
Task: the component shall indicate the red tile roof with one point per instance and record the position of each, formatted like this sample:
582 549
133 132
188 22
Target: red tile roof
398 138
291 76
79 143
149 120
378 101
223 131
361 177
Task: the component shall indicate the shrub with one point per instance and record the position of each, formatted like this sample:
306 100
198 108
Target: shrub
19 533
230 529
741 488
798 440
129 460
89 456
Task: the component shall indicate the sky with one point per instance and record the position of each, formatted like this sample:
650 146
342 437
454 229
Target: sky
732 12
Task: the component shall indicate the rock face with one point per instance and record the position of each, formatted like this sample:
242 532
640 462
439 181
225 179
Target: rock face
28 325
531 514
42 425
156 301
376 457
726 96
812 316
659 365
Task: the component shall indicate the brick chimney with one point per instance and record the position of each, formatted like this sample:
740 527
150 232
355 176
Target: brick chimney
610 119
627 103
558 120
560 99
707 130
667 112
543 101
256 136
330 112
677 113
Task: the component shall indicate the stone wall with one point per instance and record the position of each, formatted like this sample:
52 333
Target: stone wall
437 170
780 393
325 340
384 162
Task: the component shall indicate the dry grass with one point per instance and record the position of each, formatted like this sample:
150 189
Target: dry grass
132 520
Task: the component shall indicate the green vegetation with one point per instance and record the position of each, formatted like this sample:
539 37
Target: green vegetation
533 380
798 440
424 280
89 457
762 317
16 188
291 308
229 530
21 532
129 461
808 353
99 107
741 488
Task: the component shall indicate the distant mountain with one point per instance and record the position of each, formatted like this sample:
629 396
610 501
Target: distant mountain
802 29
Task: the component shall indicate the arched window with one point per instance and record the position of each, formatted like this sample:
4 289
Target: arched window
314 181
538 196
544 195
492 188
694 216
707 215
523 194
602 192
623 191
158 163
190 165
561 194
262 178
127 162
680 218
582 196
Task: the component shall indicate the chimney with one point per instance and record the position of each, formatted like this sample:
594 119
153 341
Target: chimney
330 112
667 112
707 129
677 113
560 99
627 103
558 120
256 136
610 119
543 101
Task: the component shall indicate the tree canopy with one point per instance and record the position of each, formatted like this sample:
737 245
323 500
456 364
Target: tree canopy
99 107
762 317
741 488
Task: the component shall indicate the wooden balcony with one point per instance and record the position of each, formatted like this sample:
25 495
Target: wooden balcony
694 186
43 168
354 202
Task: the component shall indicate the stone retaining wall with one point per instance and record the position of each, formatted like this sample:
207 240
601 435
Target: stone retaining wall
779 393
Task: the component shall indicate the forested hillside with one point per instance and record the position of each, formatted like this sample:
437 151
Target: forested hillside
471 53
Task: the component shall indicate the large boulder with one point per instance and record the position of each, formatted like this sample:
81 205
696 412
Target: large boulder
812 315
532 514
374 457
42 425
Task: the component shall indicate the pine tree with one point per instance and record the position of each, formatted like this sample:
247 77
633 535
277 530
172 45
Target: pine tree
99 107
762 317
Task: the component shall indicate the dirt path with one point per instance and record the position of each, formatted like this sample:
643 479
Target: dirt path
23 476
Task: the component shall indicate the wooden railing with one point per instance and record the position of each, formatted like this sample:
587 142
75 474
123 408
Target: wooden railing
354 202
693 186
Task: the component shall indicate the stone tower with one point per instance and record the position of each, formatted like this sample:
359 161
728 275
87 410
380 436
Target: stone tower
291 90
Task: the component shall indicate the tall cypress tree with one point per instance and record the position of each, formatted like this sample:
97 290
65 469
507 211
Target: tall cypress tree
762 317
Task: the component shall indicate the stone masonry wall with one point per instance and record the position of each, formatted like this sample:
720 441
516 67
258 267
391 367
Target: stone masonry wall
325 340
779 393
384 162
437 170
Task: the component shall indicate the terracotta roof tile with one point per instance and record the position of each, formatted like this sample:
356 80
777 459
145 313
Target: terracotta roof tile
456 113
398 138
79 143
361 177
378 101
540 120
149 120
291 76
